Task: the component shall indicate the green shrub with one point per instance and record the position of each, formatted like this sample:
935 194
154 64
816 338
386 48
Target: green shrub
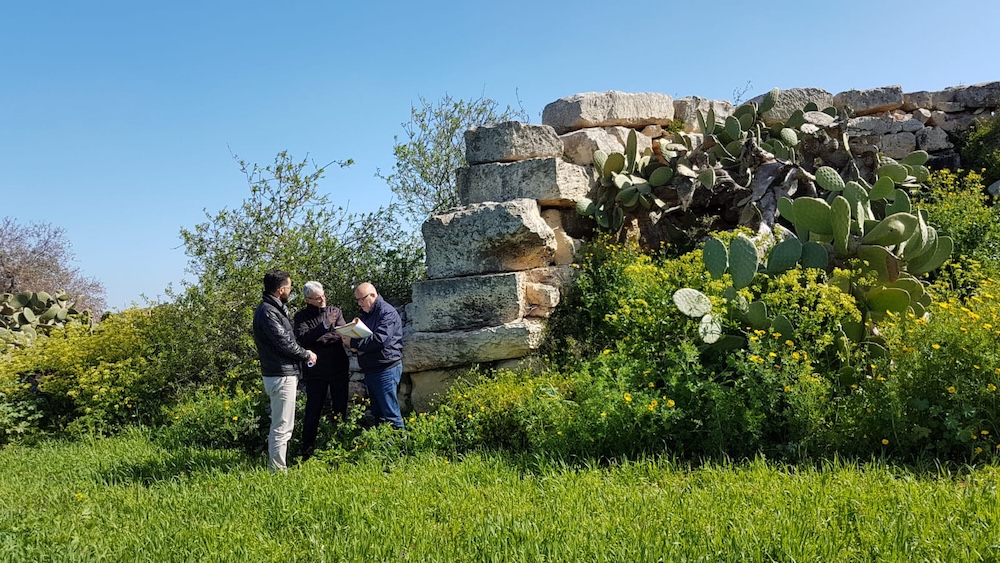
980 149
958 206
215 418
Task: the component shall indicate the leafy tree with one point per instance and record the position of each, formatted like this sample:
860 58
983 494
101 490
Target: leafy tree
284 223
423 177
39 257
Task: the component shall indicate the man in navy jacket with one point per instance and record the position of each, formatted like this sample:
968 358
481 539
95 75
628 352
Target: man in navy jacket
380 356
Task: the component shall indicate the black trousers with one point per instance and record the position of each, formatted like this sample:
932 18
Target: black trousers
317 392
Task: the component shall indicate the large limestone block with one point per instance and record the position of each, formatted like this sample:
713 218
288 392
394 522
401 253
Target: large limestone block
926 100
468 302
437 350
933 139
873 100
511 141
552 182
686 111
982 95
898 145
794 99
557 276
428 387
579 146
487 238
602 109
872 125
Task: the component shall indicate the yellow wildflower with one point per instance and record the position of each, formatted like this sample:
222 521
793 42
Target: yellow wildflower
670 403
628 397
885 442
951 389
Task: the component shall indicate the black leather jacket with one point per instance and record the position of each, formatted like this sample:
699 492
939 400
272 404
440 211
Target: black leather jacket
331 358
280 355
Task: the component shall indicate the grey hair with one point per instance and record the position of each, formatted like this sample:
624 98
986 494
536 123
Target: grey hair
312 289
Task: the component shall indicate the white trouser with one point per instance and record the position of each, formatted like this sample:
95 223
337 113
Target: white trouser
281 390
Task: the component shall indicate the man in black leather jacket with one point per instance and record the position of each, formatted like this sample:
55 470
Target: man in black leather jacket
331 375
280 362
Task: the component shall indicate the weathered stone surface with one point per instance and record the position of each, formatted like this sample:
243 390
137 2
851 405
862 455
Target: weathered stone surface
933 139
873 100
982 95
579 146
601 109
911 125
938 119
566 246
898 145
511 141
642 142
542 299
653 131
436 350
428 387
926 100
686 111
950 107
487 238
921 115
955 123
794 99
556 276
468 302
872 125
552 182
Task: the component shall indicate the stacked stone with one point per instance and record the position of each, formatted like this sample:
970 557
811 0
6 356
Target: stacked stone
495 266
897 123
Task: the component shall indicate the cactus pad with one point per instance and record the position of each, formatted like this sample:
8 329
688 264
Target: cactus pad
692 302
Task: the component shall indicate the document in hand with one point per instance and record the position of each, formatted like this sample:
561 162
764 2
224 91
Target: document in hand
354 329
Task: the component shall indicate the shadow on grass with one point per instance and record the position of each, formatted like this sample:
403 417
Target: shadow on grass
175 465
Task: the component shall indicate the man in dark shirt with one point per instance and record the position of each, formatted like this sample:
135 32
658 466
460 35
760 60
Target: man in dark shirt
331 375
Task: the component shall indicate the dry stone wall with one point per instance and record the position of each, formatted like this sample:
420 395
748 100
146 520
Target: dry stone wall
498 265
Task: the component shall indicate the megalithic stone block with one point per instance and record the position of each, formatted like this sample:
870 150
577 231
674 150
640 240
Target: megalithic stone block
468 302
511 141
604 109
552 182
872 100
424 351
488 238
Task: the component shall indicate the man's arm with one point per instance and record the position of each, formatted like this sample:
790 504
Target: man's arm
283 340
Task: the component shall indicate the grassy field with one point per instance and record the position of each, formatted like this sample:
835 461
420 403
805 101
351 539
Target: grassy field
126 499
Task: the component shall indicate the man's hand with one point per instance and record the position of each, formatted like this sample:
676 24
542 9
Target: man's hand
312 357
347 341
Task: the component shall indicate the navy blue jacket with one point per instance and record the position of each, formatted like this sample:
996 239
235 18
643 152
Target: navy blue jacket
384 348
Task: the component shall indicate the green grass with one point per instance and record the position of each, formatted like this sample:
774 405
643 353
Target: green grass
126 499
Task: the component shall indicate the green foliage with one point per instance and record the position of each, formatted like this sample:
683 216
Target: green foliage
215 418
980 149
957 202
95 379
286 222
423 177
936 393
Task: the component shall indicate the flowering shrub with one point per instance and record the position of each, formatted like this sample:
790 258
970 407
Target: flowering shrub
215 418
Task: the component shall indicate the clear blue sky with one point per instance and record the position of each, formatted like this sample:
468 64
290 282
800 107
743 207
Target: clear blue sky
118 119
